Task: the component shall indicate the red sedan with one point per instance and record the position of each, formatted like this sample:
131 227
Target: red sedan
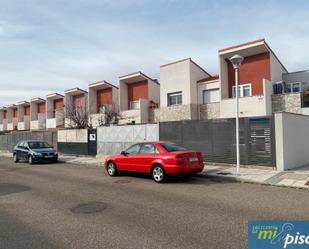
157 158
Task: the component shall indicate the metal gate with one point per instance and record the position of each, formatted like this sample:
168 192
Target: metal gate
261 142
92 142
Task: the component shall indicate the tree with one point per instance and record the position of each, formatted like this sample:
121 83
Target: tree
109 116
77 117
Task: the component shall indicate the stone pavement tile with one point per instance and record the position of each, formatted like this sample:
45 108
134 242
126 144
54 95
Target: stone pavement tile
286 182
299 183
295 176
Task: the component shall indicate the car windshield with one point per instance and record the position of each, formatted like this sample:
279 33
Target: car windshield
172 147
38 145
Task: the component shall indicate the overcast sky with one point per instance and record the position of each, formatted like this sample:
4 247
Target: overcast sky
48 46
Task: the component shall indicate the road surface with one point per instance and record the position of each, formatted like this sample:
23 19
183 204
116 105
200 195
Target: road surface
76 206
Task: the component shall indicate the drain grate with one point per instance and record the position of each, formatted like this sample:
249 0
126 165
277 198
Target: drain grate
89 208
8 188
122 181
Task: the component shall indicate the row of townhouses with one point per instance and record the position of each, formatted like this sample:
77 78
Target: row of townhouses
186 92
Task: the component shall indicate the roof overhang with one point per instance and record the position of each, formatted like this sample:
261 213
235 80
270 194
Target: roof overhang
3 108
135 77
12 106
53 96
245 49
37 100
100 85
75 91
248 49
23 103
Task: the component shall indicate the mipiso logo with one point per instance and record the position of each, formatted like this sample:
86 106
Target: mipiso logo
278 234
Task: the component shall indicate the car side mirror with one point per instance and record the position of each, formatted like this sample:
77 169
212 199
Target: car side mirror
123 153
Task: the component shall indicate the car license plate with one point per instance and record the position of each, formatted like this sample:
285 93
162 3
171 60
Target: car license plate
193 159
49 156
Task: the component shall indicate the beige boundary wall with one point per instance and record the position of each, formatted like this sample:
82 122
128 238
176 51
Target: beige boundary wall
292 140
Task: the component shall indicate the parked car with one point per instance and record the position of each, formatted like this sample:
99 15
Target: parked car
34 151
160 159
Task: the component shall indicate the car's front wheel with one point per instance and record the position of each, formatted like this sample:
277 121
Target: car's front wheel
16 160
158 174
30 159
111 169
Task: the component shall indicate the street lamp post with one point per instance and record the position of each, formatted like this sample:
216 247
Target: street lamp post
236 60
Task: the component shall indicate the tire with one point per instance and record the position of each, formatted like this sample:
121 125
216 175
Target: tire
112 168
158 174
16 160
30 160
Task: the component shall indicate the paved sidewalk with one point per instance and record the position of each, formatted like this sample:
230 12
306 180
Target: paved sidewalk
298 178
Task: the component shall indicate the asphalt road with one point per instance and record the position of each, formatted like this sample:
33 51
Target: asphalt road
52 206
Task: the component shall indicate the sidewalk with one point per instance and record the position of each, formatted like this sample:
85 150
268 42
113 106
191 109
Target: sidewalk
298 178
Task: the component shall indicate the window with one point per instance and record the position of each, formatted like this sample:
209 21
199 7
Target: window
174 98
148 149
172 147
243 90
210 96
134 149
293 87
135 105
38 145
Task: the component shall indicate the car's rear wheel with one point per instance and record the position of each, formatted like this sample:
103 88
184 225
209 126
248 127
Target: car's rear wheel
16 160
158 174
30 159
111 169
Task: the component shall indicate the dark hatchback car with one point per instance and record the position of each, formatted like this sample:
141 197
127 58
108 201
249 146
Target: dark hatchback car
34 151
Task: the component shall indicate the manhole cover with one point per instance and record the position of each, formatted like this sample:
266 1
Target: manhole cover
122 181
8 188
89 208
224 173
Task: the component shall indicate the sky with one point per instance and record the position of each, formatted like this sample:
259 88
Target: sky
50 46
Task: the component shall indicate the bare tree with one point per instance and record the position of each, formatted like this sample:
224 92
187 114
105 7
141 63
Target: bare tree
77 117
109 116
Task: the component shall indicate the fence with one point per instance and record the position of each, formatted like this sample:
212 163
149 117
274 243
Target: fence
216 139
8 141
114 139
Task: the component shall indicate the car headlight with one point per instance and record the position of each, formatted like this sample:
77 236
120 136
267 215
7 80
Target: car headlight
37 154
56 153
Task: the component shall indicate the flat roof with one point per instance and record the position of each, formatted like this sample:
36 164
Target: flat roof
98 83
54 95
23 103
136 74
37 99
75 90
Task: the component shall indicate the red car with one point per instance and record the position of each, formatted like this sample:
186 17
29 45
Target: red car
157 158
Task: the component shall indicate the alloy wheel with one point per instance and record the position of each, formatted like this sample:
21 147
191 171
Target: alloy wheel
111 169
158 174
